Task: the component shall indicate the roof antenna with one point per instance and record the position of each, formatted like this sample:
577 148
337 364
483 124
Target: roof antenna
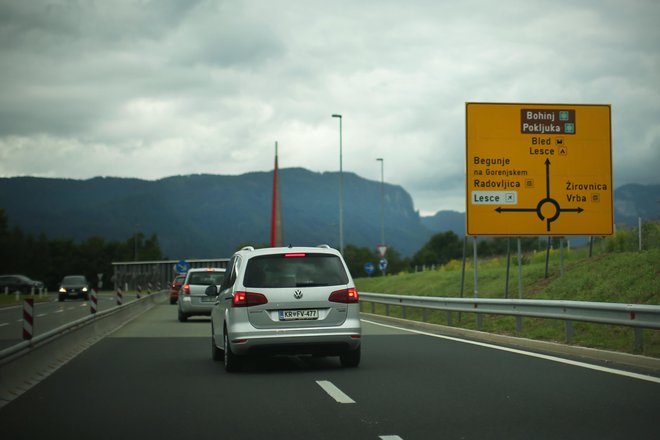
290 246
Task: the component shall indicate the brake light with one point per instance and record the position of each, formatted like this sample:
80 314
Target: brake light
248 299
295 255
186 289
346 296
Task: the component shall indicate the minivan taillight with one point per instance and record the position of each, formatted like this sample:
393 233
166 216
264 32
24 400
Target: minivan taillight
186 289
346 296
248 299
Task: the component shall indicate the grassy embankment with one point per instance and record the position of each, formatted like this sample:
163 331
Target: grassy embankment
622 277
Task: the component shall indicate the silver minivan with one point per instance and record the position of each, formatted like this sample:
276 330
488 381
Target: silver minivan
290 301
192 297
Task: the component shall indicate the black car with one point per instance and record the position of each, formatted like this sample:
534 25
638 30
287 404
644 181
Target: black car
21 283
74 286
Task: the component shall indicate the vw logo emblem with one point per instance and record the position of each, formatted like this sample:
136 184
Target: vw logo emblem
297 294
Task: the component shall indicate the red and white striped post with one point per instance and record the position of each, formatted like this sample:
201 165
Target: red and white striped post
93 303
120 298
28 319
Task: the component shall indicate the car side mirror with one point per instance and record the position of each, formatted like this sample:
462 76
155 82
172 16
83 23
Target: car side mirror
212 290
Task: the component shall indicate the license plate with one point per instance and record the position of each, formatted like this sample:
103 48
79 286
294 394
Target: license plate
297 315
207 299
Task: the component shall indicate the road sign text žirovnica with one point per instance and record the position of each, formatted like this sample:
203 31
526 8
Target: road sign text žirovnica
538 169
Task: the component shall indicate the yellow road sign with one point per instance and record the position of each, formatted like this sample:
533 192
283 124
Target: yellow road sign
538 169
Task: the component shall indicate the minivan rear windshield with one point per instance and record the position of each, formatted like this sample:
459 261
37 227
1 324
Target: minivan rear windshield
297 270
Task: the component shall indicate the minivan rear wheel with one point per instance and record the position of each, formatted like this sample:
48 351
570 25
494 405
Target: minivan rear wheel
216 353
232 361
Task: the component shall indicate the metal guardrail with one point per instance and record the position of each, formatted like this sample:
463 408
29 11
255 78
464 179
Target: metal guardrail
638 316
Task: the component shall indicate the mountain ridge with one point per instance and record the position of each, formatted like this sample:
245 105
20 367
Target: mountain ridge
209 216
206 216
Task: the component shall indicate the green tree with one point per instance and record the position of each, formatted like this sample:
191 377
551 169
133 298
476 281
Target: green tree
139 248
356 257
49 260
440 249
490 247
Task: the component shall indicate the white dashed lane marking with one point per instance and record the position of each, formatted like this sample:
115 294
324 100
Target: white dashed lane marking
334 392
341 397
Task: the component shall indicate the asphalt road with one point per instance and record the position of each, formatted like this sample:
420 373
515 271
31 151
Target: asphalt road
49 315
154 378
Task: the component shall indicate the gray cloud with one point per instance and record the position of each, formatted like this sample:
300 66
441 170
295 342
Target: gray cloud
150 89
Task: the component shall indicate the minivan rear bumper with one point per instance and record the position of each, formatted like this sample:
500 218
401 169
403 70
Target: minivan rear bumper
327 341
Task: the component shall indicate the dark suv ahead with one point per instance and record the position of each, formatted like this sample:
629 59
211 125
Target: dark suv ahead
74 286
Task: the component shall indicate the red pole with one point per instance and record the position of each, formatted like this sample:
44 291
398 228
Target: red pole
276 214
273 210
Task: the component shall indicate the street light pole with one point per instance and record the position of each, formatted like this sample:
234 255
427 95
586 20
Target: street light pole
341 189
382 200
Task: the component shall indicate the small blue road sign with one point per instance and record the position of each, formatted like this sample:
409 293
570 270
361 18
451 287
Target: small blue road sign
369 268
182 266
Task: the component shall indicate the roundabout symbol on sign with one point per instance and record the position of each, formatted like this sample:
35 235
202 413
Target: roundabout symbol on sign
552 212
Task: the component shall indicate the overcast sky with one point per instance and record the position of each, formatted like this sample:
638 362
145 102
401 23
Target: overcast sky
150 89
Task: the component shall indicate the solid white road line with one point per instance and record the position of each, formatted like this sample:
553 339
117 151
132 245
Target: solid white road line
531 354
334 392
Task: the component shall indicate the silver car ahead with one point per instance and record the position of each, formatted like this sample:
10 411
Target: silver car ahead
289 301
192 297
